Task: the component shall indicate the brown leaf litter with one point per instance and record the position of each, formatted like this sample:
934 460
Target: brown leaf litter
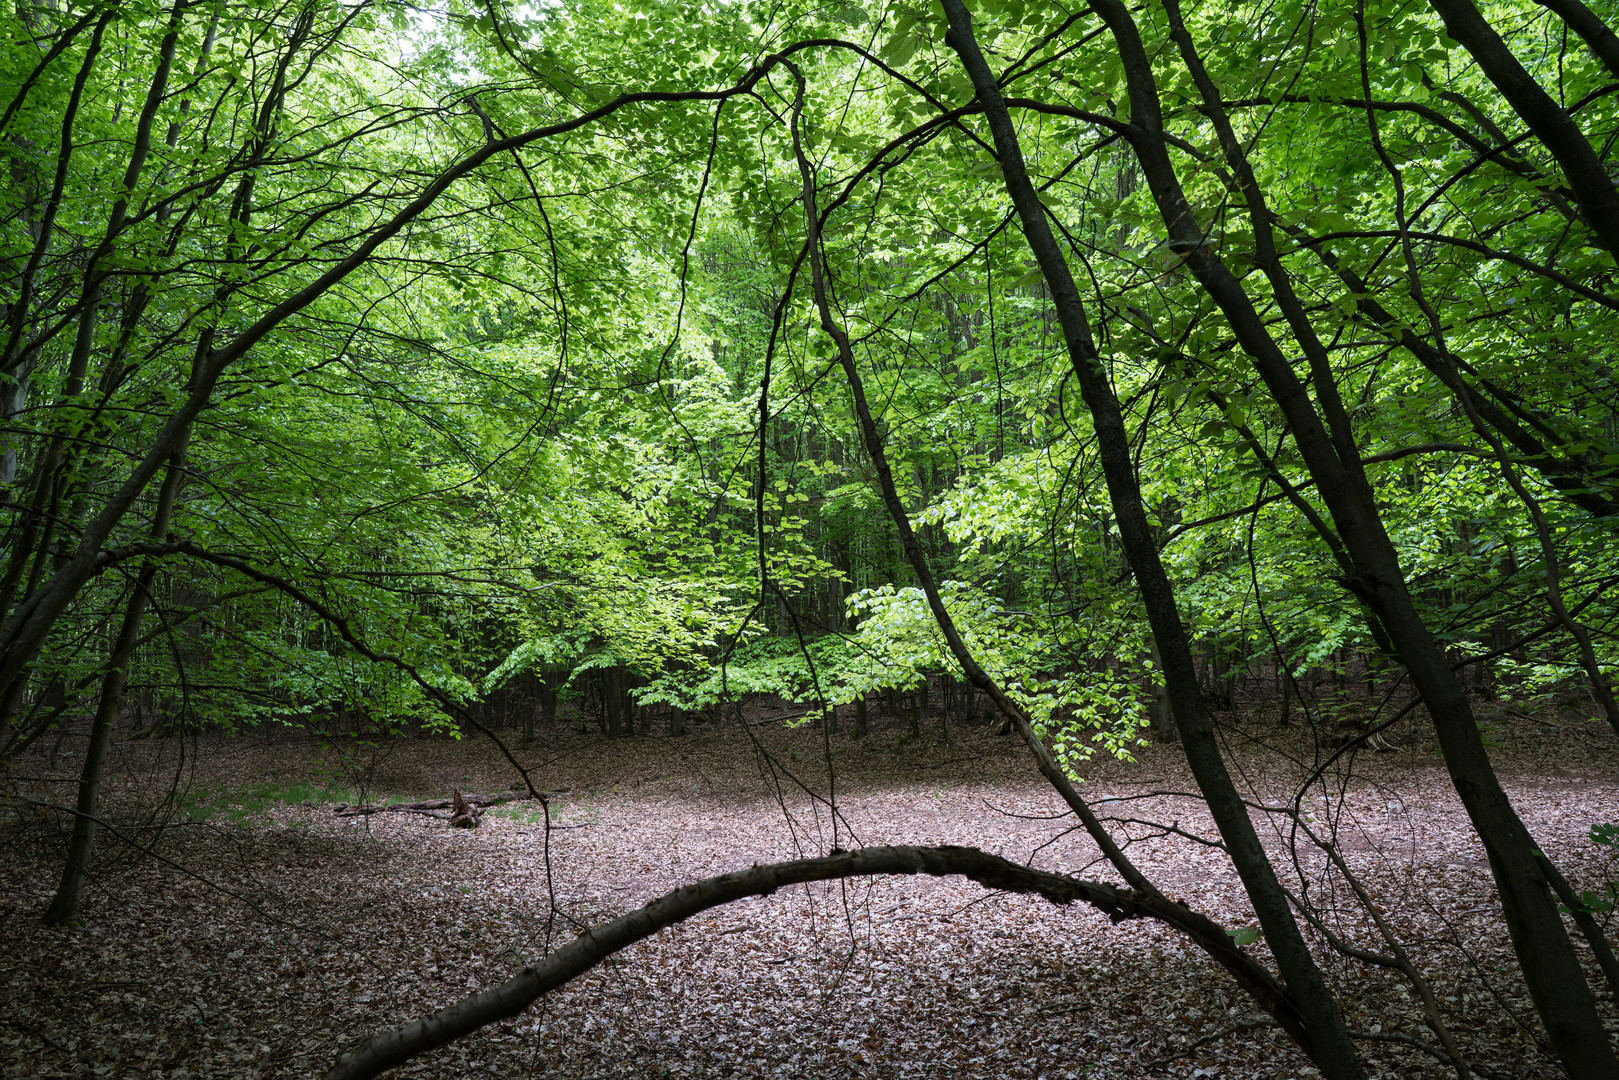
357 924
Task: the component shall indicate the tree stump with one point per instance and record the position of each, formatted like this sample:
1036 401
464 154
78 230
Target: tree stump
463 815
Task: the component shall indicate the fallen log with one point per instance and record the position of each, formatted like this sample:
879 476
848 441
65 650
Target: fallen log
554 826
482 802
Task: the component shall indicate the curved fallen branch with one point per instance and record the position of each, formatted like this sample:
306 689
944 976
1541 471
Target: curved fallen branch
393 1048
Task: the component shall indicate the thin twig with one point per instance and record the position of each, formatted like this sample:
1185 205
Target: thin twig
1245 1025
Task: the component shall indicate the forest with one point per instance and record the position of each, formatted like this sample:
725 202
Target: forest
698 538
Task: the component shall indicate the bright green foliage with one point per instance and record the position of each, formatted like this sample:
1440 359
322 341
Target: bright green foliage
532 431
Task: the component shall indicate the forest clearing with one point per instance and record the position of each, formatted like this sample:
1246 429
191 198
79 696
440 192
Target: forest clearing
361 924
809 537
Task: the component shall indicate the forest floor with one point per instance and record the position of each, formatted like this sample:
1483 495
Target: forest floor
291 933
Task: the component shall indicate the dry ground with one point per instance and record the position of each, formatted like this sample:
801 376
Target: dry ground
292 933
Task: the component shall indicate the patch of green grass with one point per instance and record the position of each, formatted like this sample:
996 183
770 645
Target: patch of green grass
524 813
238 805
575 812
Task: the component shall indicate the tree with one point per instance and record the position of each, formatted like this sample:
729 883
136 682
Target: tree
750 379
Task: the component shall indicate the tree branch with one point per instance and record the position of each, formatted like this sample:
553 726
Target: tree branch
393 1048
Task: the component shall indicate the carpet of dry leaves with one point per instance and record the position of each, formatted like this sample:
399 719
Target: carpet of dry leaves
262 943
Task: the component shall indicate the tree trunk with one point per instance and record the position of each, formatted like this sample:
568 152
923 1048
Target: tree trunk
1326 444
1253 977
1220 678
612 703
1329 1043
1552 125
64 906
1160 717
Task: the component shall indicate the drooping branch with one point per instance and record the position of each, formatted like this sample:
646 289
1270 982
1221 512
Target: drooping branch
393 1048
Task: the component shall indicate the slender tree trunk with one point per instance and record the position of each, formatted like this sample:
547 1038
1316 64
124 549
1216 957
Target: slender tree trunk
64 906
1284 682
548 703
612 702
1161 718
1594 192
1329 1043
1208 935
1552 972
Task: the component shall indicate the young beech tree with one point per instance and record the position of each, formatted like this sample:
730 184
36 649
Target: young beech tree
1258 313
1266 319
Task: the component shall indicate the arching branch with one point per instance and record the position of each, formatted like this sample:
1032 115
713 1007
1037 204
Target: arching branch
393 1048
